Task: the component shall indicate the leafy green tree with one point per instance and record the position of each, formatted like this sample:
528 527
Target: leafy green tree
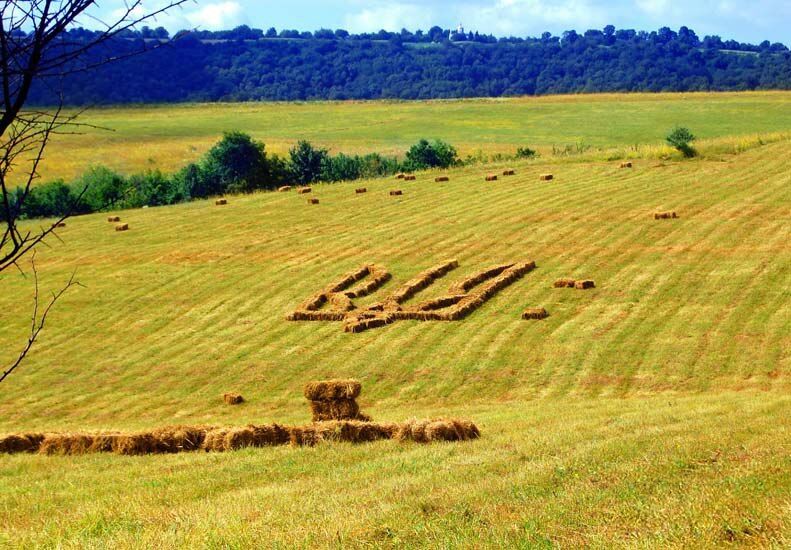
237 164
152 188
104 188
681 138
430 155
307 162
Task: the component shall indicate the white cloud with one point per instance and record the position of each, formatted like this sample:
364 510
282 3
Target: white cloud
533 16
206 16
654 7
216 16
391 17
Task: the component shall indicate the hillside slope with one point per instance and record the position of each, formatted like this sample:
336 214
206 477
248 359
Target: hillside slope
193 299
652 410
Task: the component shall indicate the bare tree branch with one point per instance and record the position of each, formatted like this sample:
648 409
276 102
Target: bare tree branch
36 45
37 321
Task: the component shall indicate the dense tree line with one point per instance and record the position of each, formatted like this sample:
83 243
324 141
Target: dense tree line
236 164
246 65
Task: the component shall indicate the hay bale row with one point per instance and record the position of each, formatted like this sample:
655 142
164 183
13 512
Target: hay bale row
232 399
462 287
113 219
361 190
491 177
342 431
509 172
441 179
427 431
423 280
535 313
379 276
221 202
284 189
122 227
323 316
396 193
358 325
304 190
440 303
410 177
463 305
665 216
21 443
182 439
231 439
565 283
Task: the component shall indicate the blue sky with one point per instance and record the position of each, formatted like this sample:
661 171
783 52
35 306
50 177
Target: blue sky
743 20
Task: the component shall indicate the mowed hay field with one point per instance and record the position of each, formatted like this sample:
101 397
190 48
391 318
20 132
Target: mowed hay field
167 137
651 411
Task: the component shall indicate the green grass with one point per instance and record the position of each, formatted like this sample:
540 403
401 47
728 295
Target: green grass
652 411
169 136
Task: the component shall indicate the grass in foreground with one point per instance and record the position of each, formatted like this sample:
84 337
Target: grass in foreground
663 471
651 411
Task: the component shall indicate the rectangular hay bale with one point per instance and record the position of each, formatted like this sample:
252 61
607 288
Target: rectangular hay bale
536 313
221 202
546 177
122 227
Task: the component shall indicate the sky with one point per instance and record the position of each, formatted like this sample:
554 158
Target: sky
742 20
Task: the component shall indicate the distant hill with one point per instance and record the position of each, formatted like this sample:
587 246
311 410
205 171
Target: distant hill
248 64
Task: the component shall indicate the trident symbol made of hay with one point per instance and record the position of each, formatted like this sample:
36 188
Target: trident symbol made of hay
335 302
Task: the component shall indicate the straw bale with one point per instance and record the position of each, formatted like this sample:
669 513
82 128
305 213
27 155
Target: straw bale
313 201
427 431
665 216
509 172
361 190
546 177
537 313
584 285
122 227
396 193
440 179
626 165
338 409
565 283
21 443
410 177
113 219
284 189
491 177
400 176
304 190
221 202
232 398
331 390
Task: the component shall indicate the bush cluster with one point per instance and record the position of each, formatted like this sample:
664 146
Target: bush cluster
236 164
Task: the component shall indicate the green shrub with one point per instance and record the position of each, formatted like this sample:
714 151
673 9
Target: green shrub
681 138
526 153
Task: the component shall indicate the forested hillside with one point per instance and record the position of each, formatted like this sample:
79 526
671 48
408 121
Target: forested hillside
247 64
